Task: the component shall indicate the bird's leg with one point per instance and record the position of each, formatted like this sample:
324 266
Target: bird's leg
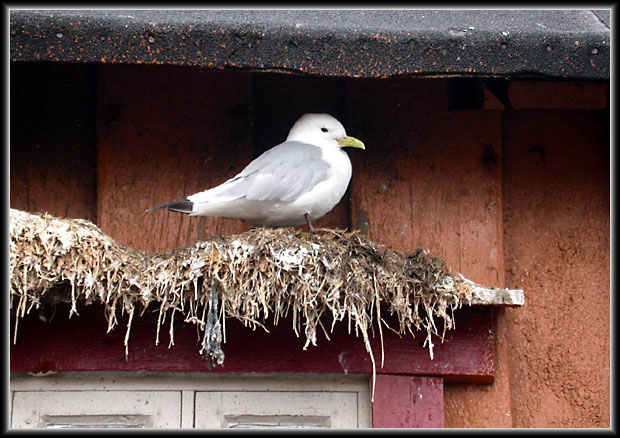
309 223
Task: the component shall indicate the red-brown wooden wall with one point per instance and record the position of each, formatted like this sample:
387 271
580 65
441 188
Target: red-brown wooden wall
502 194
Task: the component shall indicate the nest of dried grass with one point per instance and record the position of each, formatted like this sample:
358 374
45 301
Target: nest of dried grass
321 279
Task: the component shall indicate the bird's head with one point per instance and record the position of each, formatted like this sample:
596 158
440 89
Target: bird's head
322 130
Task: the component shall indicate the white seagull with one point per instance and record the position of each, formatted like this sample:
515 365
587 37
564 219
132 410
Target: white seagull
293 183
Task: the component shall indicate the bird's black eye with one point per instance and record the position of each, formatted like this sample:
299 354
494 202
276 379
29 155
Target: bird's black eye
324 129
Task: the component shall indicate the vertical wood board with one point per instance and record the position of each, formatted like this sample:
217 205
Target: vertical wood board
430 178
408 402
52 142
165 133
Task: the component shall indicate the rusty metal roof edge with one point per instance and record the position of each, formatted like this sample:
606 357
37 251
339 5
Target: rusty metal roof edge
422 43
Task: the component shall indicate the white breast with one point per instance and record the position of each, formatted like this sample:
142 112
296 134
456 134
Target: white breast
325 195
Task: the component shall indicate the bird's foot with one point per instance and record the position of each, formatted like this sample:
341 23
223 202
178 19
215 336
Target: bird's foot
309 222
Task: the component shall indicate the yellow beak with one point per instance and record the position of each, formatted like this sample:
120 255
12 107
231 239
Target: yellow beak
351 142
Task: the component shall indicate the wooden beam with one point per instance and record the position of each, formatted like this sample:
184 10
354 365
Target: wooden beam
82 344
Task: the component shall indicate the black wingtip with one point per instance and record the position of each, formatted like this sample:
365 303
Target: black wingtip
180 206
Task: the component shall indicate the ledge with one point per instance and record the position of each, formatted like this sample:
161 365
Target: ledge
257 278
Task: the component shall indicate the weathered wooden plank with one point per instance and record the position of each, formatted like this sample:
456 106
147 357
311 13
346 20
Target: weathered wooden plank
408 402
484 296
429 178
82 344
165 133
52 144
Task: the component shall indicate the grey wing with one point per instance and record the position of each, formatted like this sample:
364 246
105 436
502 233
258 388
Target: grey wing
283 173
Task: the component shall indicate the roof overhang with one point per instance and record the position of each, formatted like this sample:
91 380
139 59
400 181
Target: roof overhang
346 43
